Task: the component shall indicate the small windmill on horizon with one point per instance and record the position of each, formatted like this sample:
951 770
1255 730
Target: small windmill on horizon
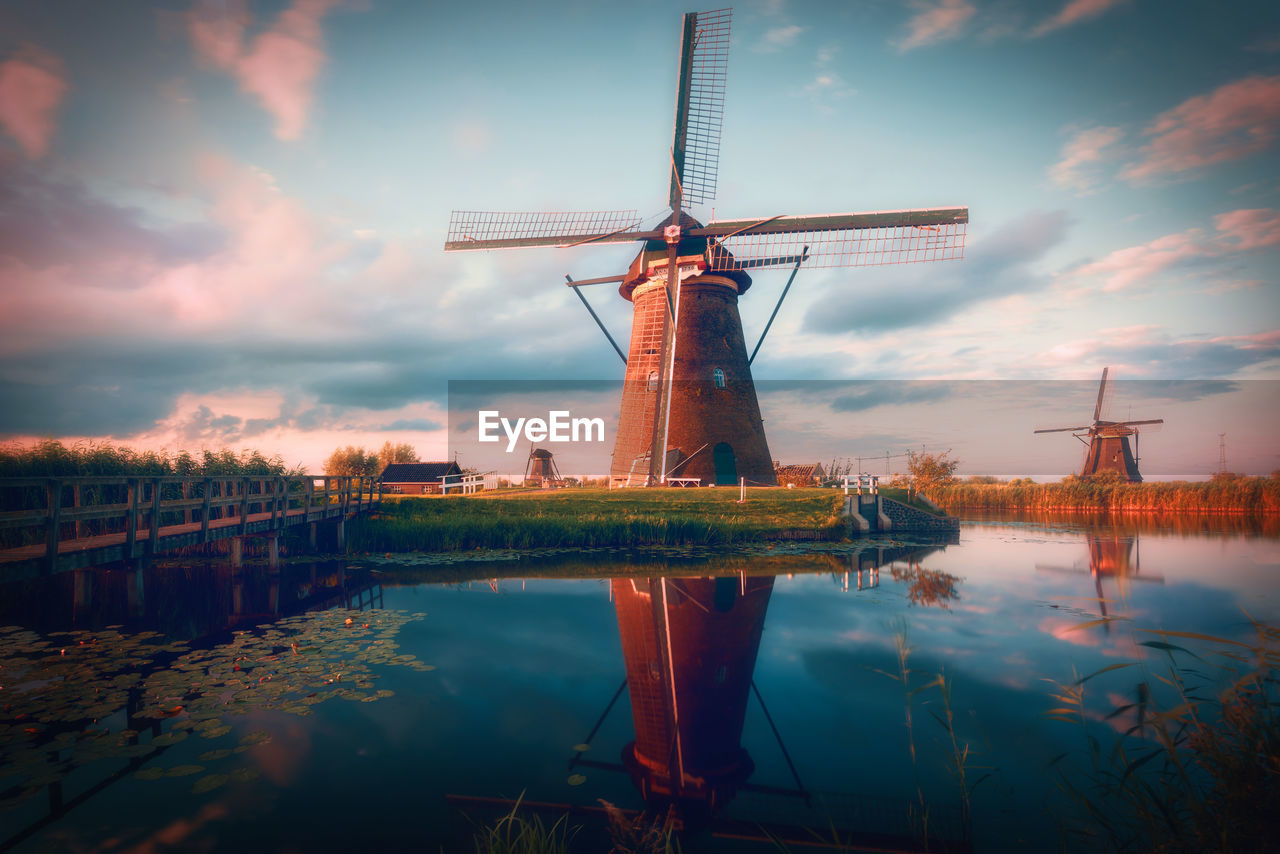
1107 442
689 405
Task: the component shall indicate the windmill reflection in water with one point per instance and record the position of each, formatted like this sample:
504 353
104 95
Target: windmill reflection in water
690 646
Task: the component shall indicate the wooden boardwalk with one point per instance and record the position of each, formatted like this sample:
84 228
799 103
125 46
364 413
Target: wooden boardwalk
81 522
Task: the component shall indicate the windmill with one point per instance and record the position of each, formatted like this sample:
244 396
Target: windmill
1108 441
687 387
541 469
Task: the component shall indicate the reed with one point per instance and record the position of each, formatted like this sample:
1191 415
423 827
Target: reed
1198 773
517 834
1232 494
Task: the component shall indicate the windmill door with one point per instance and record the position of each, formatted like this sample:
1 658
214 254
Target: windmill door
726 467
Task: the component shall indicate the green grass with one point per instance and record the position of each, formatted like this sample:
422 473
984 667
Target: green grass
595 517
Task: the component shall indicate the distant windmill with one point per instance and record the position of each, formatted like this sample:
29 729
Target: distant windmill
1108 441
688 380
541 469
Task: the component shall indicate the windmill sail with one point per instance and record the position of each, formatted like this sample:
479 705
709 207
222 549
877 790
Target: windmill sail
520 229
839 240
704 66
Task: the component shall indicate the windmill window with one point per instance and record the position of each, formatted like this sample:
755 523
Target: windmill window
653 381
718 375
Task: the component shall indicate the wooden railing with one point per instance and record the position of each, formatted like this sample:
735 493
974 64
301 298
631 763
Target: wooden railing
135 513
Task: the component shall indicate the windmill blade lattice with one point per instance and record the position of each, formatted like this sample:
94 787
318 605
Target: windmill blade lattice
704 67
842 240
519 229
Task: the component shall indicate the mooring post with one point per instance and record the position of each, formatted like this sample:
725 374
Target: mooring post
244 505
273 551
237 551
342 534
742 491
311 536
135 589
82 595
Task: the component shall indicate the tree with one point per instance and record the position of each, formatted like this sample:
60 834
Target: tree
351 462
930 471
401 453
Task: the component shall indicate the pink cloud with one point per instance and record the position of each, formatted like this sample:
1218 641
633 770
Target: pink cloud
32 85
1255 228
936 22
281 65
1127 267
1086 148
1244 230
1233 121
1073 13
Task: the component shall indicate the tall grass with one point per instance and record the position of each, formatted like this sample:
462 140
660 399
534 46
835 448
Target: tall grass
516 834
594 518
1201 773
51 458
1257 495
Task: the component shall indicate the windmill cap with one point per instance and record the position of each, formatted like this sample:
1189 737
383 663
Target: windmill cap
655 251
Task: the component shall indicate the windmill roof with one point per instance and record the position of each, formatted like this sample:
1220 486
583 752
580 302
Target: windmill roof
806 471
419 472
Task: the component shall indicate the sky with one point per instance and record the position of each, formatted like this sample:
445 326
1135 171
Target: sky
221 222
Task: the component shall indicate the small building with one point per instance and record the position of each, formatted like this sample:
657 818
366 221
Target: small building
799 476
420 478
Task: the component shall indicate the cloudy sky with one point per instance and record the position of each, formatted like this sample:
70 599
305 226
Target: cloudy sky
221 222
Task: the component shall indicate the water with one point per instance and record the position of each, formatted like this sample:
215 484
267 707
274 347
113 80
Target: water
196 708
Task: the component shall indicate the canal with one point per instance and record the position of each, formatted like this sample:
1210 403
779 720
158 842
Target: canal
886 694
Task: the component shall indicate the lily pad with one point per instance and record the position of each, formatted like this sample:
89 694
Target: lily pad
149 774
209 783
213 755
244 775
576 779
257 737
184 770
582 748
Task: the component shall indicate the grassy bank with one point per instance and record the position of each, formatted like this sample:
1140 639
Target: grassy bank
1255 495
595 517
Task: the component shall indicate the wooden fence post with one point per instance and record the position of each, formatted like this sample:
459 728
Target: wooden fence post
75 505
244 505
154 539
54 493
131 524
204 512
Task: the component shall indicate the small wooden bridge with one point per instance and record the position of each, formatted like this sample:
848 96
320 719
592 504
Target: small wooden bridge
77 522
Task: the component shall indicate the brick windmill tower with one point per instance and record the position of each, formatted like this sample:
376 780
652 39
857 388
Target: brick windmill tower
1107 442
689 406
